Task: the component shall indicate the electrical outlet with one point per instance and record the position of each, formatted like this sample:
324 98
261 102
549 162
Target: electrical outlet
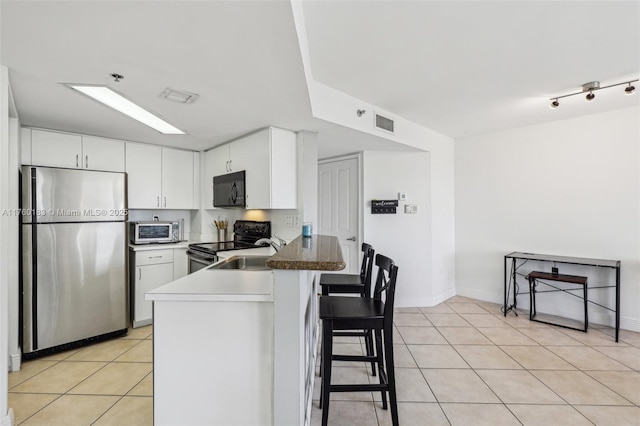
296 220
402 196
288 221
411 208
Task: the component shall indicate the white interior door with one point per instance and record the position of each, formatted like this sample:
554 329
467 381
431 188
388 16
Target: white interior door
338 207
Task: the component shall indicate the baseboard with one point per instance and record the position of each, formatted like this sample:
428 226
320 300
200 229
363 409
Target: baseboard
15 361
412 302
8 419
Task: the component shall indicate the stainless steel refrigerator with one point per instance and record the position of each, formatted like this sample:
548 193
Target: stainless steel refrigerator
73 237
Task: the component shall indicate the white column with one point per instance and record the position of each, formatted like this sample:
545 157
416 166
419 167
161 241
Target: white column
6 416
295 337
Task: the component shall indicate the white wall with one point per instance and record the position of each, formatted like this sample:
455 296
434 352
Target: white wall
569 187
6 244
406 238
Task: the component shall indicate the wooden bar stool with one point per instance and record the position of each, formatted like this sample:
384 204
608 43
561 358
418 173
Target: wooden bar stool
354 284
362 313
351 283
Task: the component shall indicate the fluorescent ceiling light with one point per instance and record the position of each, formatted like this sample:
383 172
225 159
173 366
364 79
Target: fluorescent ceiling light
118 102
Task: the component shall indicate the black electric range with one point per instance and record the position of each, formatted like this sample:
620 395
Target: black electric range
245 234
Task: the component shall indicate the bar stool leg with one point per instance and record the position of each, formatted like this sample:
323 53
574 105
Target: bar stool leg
380 361
368 344
327 350
391 375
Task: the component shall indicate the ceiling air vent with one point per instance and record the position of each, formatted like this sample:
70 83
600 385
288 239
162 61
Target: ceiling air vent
384 123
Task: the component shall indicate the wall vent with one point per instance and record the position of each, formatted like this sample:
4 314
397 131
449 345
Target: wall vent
384 123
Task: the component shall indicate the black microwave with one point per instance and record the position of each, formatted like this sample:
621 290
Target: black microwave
229 190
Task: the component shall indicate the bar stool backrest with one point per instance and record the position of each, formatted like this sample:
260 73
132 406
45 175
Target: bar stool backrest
366 268
386 283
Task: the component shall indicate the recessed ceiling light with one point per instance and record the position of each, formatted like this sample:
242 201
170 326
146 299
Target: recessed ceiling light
115 100
178 96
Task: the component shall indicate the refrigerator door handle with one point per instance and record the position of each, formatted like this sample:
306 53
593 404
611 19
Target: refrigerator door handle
34 264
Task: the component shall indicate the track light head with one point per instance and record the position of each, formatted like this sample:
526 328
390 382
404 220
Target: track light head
590 96
554 104
629 89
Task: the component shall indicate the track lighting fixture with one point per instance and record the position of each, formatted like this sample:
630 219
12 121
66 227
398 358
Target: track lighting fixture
629 90
591 87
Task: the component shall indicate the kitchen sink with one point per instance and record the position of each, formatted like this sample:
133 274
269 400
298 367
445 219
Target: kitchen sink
243 263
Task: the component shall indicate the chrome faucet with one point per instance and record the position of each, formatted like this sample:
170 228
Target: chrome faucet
268 241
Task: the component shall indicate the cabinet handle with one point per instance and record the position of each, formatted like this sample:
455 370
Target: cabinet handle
86 161
76 160
158 201
155 257
226 166
351 239
230 165
139 273
165 201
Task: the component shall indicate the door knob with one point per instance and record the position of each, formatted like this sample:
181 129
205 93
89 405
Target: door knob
351 239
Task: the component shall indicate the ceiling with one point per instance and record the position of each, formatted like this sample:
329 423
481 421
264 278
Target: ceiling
459 68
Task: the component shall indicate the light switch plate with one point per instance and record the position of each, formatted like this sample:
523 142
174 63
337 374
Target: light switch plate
402 196
411 208
288 221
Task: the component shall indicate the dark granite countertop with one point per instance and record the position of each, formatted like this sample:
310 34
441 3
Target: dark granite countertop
315 253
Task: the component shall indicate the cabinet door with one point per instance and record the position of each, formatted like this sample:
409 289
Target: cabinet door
55 149
180 263
216 162
148 278
144 180
102 154
252 154
220 161
177 179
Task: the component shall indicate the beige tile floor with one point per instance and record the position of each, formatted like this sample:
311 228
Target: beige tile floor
459 363
108 383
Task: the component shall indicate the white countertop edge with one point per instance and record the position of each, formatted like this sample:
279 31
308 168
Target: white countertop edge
158 246
190 297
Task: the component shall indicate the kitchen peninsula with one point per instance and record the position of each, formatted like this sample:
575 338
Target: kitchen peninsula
236 347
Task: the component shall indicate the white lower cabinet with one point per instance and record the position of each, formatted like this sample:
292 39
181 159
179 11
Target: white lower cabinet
180 263
149 269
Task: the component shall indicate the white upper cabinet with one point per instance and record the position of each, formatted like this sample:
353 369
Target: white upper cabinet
269 159
177 179
160 177
103 154
144 175
55 149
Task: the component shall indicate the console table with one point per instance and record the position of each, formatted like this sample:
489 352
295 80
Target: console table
517 259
